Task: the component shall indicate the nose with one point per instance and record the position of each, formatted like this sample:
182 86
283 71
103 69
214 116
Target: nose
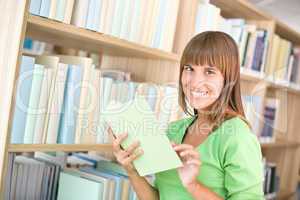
197 81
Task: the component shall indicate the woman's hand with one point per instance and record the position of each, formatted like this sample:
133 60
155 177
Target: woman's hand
125 157
191 162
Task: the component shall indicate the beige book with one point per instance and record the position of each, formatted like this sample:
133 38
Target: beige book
147 9
50 62
169 31
90 135
52 11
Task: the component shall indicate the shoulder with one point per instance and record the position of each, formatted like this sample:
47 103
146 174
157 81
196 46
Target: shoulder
234 130
238 141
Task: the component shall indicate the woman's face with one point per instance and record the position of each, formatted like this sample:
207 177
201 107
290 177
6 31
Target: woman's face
202 85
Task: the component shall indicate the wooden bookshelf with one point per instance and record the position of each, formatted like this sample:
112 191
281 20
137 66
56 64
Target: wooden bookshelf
21 23
59 147
280 144
284 195
67 35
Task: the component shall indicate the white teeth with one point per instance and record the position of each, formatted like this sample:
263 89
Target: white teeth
200 94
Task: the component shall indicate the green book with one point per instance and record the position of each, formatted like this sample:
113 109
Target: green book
138 120
72 186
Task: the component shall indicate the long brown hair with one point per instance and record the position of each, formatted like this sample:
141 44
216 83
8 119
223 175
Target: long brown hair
214 48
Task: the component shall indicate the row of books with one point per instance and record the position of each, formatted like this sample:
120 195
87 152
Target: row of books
45 176
151 23
285 65
252 41
263 115
254 46
271 180
270 114
59 99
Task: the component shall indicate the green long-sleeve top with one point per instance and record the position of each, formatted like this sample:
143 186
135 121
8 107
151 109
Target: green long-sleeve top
231 163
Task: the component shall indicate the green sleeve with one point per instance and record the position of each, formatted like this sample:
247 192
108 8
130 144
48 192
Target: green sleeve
243 167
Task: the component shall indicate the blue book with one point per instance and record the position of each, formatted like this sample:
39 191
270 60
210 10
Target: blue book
60 10
28 43
35 6
45 8
160 24
94 15
97 17
33 105
108 175
91 15
22 99
71 103
72 186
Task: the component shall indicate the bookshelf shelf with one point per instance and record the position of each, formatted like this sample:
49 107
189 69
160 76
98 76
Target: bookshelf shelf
240 8
284 194
68 35
59 147
280 144
287 32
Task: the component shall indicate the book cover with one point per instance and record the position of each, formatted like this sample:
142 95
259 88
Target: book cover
138 120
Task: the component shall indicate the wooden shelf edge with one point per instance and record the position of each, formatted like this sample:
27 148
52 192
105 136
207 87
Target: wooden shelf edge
241 8
284 194
59 147
68 35
280 144
287 32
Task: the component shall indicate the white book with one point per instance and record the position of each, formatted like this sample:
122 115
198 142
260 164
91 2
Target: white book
135 28
50 62
127 19
68 11
146 22
56 104
109 17
43 105
105 91
169 31
118 17
79 15
52 11
103 13
152 23
32 111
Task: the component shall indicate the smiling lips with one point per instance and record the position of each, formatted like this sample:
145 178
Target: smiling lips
199 94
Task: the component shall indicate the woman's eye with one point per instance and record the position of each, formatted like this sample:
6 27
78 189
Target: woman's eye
209 72
188 68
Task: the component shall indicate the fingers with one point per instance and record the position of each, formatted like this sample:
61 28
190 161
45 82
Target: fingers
189 153
126 161
133 147
117 142
182 147
193 162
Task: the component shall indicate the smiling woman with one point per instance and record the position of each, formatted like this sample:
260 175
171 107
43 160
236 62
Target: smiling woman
221 156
